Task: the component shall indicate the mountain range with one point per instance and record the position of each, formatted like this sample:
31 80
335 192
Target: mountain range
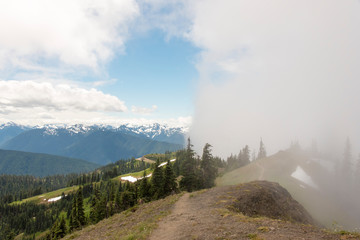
100 144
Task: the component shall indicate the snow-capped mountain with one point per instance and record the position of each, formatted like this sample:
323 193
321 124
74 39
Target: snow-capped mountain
96 143
153 131
10 130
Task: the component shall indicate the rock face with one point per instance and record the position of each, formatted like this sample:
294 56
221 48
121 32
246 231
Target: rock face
269 199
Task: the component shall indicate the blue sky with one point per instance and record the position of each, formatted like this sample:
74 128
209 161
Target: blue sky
155 71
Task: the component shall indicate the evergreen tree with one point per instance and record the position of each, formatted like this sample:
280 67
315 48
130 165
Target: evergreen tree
157 181
80 208
60 229
262 151
127 199
101 210
117 203
170 184
208 167
74 223
93 205
144 189
244 157
189 182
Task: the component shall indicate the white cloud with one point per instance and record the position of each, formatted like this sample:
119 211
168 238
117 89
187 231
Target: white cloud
81 33
104 82
16 96
278 69
144 111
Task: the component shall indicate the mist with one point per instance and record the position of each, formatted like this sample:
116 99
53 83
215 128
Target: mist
278 70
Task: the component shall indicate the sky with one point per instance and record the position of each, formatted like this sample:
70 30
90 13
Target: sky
93 62
235 71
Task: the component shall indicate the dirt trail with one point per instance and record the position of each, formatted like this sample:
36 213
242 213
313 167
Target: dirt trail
204 216
169 227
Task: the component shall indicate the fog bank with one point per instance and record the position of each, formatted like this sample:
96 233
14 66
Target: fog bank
278 70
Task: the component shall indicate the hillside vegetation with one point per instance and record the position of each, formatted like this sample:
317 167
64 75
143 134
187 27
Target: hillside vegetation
41 165
317 189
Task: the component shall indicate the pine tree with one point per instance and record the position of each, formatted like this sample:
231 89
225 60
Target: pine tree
245 156
80 208
101 210
170 184
127 199
157 181
74 223
93 205
60 229
144 188
189 182
208 167
262 151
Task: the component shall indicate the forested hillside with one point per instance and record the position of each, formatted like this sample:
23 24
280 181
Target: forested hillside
36 164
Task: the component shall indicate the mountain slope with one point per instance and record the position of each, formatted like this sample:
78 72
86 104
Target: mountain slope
10 130
36 164
100 145
205 214
309 180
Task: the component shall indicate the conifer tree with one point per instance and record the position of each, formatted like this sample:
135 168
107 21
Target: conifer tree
144 188
170 184
189 182
101 211
74 223
93 205
157 181
80 208
262 151
60 229
208 167
244 158
127 199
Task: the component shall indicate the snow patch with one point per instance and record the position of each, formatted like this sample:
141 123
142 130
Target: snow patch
54 199
129 178
302 176
134 179
164 163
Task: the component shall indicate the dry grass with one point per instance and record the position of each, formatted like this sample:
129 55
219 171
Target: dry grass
135 223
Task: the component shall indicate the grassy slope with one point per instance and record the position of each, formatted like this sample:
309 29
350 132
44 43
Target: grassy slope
278 168
40 198
135 223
